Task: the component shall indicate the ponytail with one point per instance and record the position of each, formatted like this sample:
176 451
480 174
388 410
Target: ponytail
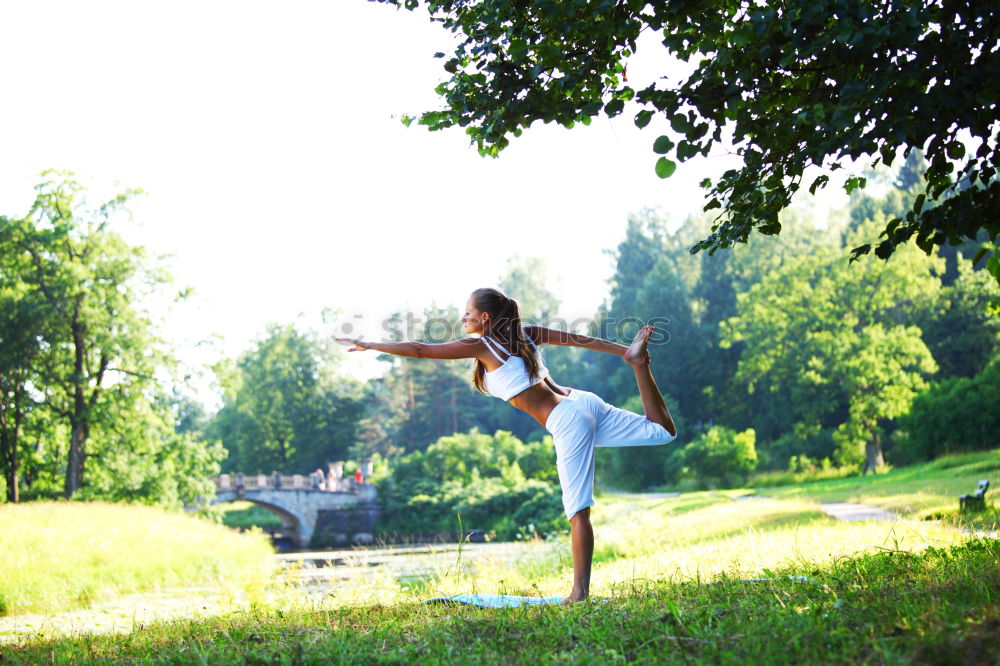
506 329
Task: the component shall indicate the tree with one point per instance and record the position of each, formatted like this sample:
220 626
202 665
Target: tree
81 396
794 85
84 282
959 327
285 408
833 347
527 281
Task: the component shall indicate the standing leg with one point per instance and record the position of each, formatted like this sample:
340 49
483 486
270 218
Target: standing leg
653 405
582 547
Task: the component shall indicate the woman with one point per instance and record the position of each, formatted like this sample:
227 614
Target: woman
508 366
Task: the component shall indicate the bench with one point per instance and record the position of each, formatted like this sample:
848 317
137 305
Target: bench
975 501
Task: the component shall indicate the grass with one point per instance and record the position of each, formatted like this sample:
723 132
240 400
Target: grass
886 607
928 490
667 573
245 515
59 555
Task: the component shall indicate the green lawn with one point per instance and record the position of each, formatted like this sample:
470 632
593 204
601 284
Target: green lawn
667 587
938 606
59 555
920 491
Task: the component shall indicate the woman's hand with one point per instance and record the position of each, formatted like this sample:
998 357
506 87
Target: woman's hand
358 344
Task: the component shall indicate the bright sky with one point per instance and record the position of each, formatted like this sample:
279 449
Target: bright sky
278 175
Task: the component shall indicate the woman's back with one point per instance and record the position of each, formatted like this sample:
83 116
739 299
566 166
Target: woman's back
511 378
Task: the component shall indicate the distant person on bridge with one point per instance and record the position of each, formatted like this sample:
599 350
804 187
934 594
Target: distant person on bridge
508 366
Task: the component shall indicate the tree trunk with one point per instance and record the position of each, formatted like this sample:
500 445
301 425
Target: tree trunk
873 455
9 452
13 492
9 436
78 423
77 455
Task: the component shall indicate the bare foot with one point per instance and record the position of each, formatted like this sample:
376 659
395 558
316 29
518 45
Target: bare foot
573 598
637 354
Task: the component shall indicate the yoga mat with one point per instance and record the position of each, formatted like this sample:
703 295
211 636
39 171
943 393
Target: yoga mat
495 600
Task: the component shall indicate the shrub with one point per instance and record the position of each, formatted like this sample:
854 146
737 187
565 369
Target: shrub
483 478
955 415
721 456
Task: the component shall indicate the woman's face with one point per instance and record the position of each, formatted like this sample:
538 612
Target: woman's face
474 320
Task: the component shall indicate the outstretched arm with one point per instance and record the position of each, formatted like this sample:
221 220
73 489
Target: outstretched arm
551 336
465 348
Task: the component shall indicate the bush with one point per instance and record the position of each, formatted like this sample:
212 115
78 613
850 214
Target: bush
632 467
720 457
955 415
483 478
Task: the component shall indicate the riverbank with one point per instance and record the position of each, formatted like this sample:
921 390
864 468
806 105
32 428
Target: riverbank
64 555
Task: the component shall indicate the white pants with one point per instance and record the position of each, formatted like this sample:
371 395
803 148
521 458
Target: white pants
583 422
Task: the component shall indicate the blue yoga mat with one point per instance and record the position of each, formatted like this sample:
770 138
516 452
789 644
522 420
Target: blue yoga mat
495 600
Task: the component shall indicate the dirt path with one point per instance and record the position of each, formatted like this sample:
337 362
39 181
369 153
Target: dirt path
850 513
856 513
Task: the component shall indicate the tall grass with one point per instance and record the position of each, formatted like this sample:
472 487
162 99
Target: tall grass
58 555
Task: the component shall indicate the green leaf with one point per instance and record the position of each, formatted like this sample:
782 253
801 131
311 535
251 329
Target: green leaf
742 36
518 50
956 150
818 183
614 107
407 120
705 183
993 266
980 253
919 203
665 168
854 183
642 118
662 145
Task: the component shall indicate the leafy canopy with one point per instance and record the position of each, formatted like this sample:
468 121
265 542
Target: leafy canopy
797 84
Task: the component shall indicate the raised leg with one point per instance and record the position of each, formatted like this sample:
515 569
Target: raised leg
653 405
582 547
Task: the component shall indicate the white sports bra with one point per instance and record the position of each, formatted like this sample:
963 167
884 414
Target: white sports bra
512 376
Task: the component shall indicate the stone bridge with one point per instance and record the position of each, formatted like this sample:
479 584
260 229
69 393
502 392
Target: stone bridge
313 515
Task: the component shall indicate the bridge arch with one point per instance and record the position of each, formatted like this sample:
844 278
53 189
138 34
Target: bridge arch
300 526
300 509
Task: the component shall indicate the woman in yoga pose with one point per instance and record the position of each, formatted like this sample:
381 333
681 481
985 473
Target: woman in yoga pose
508 366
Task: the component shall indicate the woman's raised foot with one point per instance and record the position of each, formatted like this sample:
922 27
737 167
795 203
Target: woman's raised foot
637 352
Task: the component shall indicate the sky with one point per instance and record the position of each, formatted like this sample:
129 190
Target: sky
279 180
